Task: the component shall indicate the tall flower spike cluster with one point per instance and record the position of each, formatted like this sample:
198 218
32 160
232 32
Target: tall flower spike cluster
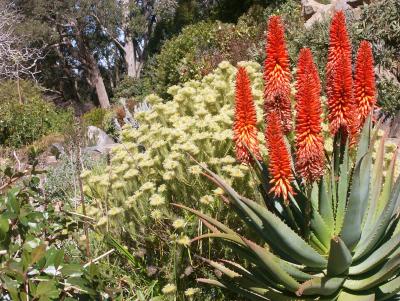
364 82
309 140
245 123
277 74
279 159
339 78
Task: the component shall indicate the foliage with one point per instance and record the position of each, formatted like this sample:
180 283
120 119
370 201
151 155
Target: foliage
130 87
131 198
97 117
61 182
199 49
389 97
33 236
24 123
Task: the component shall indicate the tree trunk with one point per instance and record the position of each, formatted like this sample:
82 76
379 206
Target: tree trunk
97 82
130 57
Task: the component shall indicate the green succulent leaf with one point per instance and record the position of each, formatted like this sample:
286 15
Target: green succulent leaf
339 259
388 289
342 188
357 203
377 177
325 204
387 271
378 256
321 286
320 228
212 221
271 264
346 296
380 226
289 241
365 139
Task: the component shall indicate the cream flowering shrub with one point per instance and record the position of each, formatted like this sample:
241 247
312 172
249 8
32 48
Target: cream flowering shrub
196 123
153 166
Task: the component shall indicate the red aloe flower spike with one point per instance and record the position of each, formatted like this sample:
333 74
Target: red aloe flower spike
364 81
309 140
339 78
279 159
277 74
245 124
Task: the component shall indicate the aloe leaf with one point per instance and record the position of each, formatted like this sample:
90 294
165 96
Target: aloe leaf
289 241
272 228
223 269
387 271
314 196
246 213
339 258
346 296
211 281
358 202
233 288
226 236
377 257
321 286
212 221
320 228
380 225
342 188
388 185
377 177
365 139
325 204
317 245
294 271
272 266
271 295
388 289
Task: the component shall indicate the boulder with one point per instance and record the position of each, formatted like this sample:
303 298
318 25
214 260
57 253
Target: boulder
310 7
97 137
57 149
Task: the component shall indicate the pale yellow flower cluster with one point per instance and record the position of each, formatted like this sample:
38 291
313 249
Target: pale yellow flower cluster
153 166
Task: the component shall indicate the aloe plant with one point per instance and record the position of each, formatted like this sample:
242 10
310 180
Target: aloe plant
350 251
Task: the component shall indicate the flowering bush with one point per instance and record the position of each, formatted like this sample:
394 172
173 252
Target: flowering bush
152 167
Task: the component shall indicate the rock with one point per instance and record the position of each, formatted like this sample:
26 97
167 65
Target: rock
357 3
97 137
57 149
325 11
310 7
100 149
50 160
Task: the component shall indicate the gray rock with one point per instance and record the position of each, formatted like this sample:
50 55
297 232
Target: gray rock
97 137
310 7
57 149
99 149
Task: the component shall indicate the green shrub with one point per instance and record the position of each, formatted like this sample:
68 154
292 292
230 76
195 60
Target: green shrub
23 123
174 63
131 87
35 242
97 117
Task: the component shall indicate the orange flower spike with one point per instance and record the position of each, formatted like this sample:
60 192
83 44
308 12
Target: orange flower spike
339 78
245 123
339 46
279 159
309 140
277 74
364 81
